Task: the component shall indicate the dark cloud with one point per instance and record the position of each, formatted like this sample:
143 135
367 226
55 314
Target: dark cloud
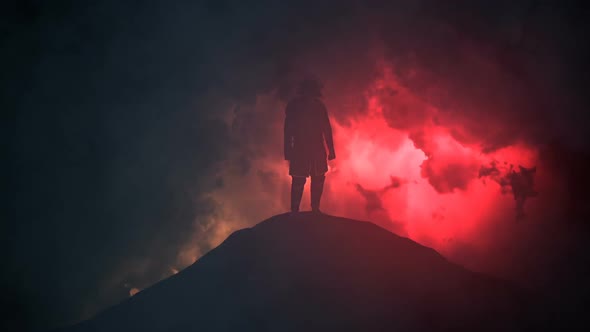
498 73
448 176
520 181
118 129
374 207
373 197
115 138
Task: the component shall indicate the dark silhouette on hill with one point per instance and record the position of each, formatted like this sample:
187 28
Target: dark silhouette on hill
307 134
313 272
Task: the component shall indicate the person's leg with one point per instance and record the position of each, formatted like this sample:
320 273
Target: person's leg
317 187
297 185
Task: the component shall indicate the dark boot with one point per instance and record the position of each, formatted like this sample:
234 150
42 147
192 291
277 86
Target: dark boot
317 187
297 185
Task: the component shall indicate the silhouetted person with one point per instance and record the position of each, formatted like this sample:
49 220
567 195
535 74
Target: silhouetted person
307 134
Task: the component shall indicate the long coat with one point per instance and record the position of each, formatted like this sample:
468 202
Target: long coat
307 135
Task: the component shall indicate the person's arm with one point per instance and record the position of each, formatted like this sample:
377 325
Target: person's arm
288 134
327 129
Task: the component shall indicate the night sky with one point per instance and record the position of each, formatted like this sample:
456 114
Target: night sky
140 134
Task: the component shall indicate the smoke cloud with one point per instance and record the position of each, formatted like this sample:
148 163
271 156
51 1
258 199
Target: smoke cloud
140 136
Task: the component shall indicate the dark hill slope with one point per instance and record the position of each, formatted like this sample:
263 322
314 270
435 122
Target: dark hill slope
320 273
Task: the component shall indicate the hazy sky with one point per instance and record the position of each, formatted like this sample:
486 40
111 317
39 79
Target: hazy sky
141 133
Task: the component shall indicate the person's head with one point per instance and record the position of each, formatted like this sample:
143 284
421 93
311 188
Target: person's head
310 87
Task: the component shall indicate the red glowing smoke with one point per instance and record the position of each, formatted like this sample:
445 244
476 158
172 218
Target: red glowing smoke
400 166
401 169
